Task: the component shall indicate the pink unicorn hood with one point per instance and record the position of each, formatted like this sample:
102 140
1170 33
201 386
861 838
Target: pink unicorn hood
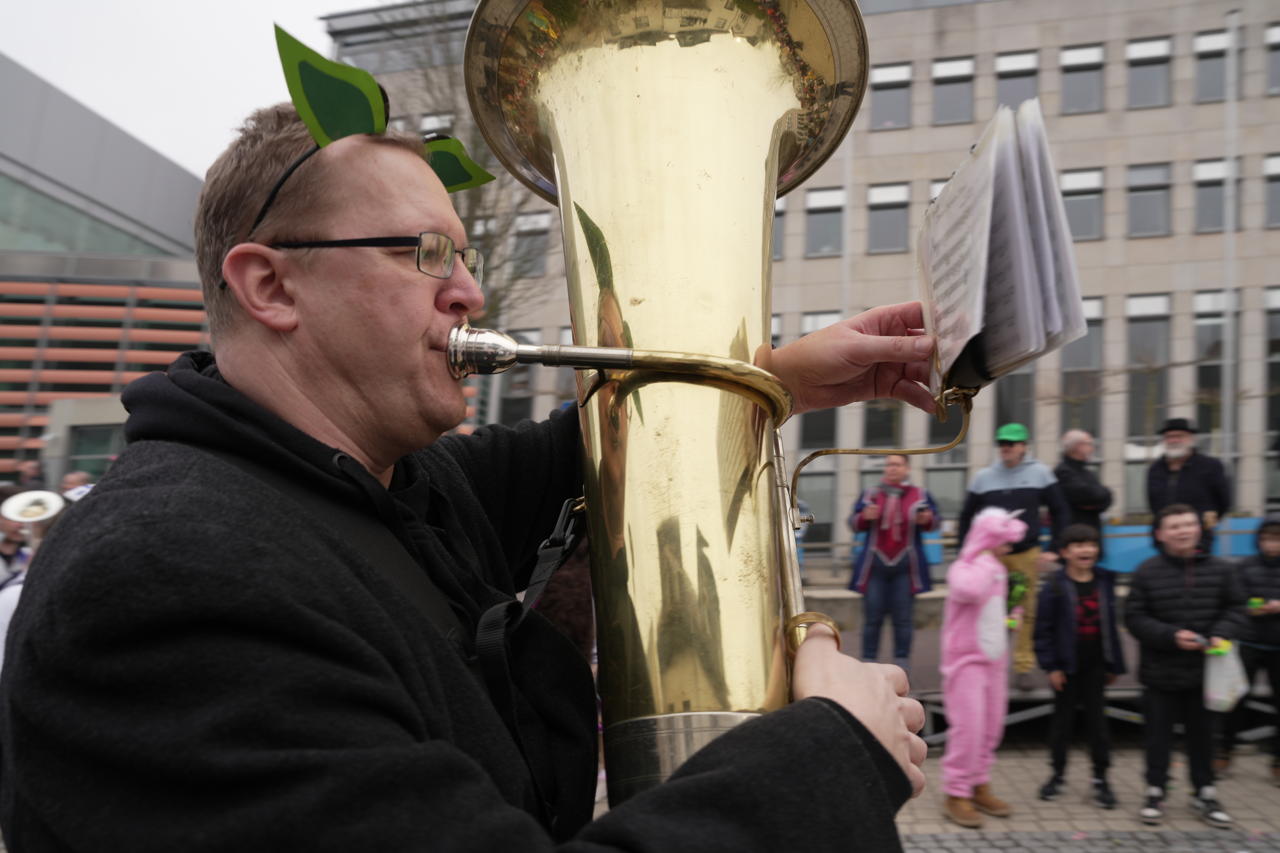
991 528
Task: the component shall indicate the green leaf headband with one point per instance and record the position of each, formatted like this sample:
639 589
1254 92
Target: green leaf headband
336 100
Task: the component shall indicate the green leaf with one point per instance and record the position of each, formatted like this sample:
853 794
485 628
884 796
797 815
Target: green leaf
455 169
333 100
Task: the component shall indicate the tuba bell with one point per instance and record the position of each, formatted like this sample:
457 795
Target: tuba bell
664 132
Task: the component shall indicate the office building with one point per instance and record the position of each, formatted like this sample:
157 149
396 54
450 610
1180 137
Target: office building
1134 96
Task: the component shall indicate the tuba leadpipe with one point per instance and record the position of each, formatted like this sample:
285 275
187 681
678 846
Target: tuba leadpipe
664 134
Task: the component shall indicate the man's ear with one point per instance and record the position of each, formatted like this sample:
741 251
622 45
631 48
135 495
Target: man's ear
254 273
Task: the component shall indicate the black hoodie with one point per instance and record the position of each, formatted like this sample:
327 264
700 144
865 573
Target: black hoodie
1261 578
197 663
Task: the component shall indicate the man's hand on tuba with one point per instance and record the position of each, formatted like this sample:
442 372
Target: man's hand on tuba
882 352
874 693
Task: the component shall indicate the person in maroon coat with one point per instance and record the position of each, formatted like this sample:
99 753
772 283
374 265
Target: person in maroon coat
890 568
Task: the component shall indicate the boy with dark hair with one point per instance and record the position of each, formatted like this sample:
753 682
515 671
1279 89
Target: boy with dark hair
1260 645
1077 643
1181 603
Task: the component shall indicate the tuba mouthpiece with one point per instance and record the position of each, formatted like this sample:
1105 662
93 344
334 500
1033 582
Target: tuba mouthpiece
479 351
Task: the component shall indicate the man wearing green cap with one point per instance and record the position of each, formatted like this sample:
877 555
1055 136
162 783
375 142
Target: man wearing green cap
1013 482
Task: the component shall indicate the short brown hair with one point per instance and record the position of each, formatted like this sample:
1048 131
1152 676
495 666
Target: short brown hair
1174 509
236 186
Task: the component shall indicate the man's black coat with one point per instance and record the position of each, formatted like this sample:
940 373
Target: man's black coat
199 664
1167 594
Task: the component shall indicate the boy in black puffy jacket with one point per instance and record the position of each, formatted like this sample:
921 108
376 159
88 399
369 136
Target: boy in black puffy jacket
1181 603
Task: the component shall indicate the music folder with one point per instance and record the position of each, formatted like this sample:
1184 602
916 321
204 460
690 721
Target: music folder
995 259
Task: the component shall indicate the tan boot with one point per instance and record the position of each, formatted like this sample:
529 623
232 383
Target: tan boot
960 810
985 801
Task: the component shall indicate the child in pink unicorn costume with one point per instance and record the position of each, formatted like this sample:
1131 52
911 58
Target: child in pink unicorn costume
975 659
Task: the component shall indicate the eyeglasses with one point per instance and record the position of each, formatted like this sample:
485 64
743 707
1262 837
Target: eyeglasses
1006 443
435 255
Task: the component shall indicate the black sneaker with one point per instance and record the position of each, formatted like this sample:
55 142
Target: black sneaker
1152 811
1103 797
1050 790
1206 805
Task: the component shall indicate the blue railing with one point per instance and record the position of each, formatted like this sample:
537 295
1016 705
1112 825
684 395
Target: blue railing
1126 545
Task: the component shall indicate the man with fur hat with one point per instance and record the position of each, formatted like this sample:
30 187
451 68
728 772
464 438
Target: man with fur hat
1183 475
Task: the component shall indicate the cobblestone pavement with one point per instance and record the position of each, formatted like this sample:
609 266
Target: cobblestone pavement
1166 841
1071 823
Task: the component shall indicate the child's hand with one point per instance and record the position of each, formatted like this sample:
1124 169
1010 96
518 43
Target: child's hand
1058 680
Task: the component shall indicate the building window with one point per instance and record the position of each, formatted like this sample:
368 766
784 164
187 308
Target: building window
566 380
1017 77
517 386
953 91
818 429
1016 399
1082 89
529 257
1082 375
1210 177
882 423
1273 59
818 490
1148 73
436 123
1149 200
1272 426
779 228
891 96
1211 66
93 447
824 222
946 475
1271 167
887 218
1148 364
1082 200
1209 308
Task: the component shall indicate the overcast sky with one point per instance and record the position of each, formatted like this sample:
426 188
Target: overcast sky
180 75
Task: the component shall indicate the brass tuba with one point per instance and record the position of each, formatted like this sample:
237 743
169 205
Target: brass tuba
664 132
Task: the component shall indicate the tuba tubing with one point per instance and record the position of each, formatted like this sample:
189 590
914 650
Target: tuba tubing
664 136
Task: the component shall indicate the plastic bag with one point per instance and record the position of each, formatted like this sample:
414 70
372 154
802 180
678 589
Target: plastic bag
1224 680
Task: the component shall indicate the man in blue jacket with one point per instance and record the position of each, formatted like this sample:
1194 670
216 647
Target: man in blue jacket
1013 482
1078 645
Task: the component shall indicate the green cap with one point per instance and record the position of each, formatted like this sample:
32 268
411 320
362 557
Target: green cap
1012 432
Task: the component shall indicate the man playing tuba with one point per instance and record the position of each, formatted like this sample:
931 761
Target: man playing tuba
215 655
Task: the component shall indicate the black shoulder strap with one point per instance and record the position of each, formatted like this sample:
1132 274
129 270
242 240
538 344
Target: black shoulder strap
369 536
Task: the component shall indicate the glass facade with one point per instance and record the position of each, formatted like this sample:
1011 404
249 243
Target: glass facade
31 221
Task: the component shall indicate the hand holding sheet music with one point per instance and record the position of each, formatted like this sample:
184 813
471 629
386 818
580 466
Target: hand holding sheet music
995 257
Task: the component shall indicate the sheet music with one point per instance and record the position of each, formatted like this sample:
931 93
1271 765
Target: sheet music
1066 283
1037 220
1013 322
952 255
996 261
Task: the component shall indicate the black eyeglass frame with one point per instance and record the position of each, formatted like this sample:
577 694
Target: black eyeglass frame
472 258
